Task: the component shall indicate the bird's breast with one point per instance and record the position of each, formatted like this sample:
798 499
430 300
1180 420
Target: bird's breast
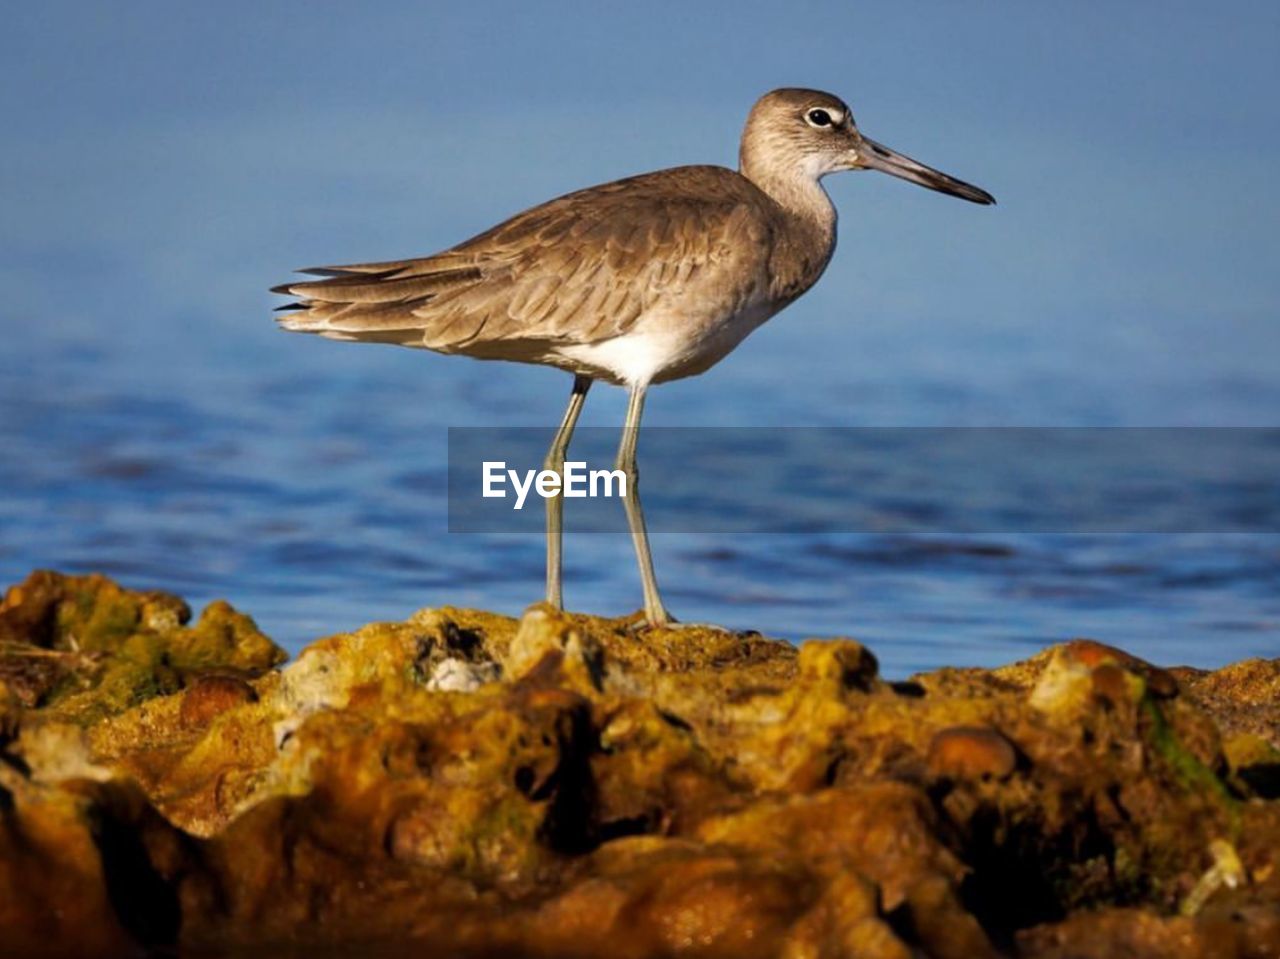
666 344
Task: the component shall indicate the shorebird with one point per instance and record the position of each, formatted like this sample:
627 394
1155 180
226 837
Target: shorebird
635 282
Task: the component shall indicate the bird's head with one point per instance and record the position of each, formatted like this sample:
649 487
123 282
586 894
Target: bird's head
795 132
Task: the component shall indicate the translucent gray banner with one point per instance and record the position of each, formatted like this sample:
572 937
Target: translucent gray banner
882 480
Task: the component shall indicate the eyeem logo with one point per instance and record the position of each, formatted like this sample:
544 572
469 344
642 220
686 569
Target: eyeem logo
578 482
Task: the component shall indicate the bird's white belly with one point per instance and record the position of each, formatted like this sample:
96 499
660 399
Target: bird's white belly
662 346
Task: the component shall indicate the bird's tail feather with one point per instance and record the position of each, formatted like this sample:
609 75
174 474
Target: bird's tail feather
380 302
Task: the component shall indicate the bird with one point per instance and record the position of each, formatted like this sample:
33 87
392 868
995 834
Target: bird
632 283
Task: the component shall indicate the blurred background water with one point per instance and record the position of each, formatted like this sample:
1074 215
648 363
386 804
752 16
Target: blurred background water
164 164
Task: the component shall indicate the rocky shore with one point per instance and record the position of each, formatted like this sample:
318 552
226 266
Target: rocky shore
466 784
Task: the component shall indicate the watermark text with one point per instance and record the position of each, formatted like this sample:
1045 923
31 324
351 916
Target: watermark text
577 482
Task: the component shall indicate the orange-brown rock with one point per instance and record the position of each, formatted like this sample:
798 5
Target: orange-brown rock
467 784
971 752
211 695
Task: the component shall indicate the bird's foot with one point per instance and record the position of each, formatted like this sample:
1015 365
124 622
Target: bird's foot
668 622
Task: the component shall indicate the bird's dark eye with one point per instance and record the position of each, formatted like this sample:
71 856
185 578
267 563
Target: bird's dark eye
819 118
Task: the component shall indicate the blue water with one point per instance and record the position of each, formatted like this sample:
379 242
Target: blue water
306 481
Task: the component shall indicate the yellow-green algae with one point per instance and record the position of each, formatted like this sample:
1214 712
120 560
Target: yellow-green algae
114 648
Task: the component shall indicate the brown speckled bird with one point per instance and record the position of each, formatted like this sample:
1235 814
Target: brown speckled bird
635 282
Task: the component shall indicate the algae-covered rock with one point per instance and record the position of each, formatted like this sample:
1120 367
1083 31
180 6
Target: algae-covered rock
83 647
468 784
87 869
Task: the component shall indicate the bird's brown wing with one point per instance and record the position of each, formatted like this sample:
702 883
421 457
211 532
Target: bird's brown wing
578 269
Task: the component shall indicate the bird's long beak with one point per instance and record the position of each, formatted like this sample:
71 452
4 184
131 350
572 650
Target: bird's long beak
873 156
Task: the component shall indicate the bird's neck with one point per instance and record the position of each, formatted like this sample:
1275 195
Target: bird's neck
798 193
805 248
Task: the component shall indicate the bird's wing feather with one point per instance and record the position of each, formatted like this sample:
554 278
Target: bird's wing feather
578 269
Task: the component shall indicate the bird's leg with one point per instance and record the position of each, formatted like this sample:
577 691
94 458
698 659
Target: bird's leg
555 504
654 612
